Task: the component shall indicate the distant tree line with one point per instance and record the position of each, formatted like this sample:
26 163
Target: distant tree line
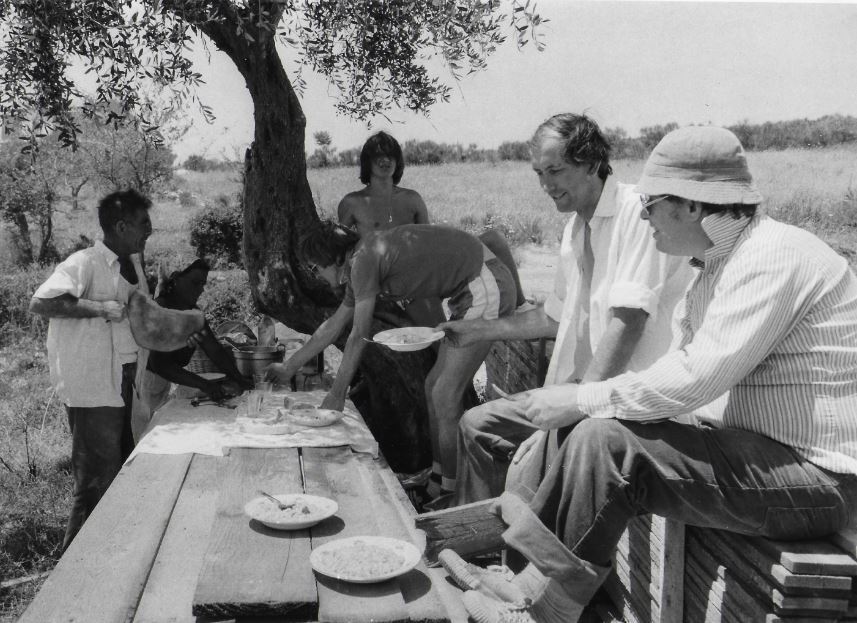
798 133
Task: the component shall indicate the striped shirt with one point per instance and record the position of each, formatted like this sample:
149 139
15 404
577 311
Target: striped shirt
771 319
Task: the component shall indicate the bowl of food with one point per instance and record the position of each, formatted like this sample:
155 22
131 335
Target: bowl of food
407 338
364 559
300 510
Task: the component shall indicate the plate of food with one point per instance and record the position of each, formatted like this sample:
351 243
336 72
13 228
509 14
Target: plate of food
307 414
301 510
364 559
408 338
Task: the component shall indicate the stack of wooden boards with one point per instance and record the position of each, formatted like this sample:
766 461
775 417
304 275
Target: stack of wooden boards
729 578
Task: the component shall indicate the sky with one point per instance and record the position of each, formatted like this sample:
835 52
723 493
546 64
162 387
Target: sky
625 64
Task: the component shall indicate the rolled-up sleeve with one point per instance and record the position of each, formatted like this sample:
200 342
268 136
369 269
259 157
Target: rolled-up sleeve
640 270
69 277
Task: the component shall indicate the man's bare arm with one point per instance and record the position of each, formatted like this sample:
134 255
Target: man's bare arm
617 344
68 306
527 326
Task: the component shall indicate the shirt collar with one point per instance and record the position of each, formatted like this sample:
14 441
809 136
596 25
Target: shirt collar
723 229
109 255
607 201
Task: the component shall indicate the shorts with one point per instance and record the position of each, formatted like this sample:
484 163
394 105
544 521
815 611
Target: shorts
490 296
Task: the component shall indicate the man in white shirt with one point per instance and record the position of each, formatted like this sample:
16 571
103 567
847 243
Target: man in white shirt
611 308
771 318
91 351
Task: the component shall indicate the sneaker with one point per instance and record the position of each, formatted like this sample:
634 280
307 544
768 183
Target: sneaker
441 502
525 307
494 583
484 609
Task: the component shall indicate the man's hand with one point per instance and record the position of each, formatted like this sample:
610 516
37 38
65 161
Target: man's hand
280 373
195 339
525 448
332 402
113 310
551 407
214 390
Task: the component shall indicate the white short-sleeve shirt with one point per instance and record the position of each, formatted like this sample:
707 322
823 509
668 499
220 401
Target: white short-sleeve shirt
628 272
86 355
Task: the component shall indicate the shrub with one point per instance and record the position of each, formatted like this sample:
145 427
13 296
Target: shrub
227 297
216 232
16 290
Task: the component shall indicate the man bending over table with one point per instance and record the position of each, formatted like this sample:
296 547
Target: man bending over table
771 318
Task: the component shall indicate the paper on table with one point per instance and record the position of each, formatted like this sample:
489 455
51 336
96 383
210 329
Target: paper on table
179 428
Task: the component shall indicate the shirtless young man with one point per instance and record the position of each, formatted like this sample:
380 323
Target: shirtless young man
382 204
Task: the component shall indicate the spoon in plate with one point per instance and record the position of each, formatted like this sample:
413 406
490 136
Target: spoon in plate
279 504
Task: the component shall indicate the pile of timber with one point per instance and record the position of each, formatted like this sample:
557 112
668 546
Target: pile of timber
646 581
518 365
732 578
664 574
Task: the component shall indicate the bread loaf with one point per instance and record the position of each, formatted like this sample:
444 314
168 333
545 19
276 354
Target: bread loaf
158 328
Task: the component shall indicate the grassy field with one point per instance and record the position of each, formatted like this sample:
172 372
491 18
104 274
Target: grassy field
815 189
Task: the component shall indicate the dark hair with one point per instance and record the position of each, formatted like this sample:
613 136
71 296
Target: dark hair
737 210
119 206
376 145
327 243
170 283
584 142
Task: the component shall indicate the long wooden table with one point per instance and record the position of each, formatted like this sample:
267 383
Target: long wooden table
170 542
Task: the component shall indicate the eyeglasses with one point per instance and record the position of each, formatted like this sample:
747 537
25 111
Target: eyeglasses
647 202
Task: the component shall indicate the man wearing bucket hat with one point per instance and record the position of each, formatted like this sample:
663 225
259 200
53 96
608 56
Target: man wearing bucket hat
769 328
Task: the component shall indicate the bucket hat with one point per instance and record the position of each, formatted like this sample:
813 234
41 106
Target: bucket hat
700 163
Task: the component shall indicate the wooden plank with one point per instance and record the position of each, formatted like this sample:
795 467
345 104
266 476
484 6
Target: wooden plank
467 529
808 557
169 591
248 569
750 563
335 473
670 533
101 575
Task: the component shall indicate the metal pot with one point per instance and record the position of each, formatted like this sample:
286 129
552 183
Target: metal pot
252 360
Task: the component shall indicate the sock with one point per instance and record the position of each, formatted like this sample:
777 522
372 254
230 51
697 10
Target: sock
447 484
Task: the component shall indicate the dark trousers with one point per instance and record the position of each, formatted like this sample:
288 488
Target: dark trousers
608 471
101 440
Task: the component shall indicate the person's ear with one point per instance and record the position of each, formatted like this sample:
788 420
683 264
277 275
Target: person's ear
692 211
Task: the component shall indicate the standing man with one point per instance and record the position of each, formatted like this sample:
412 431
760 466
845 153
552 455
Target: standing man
771 318
91 351
611 308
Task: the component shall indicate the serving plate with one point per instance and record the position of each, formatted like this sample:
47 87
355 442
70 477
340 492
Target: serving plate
405 339
364 559
266 512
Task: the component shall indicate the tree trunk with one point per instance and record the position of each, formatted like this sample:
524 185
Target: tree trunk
19 231
278 208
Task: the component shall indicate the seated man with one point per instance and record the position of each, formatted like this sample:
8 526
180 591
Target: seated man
611 308
771 319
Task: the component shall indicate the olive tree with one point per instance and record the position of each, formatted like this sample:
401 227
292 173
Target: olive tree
376 54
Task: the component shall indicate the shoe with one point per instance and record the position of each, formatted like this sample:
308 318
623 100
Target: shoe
483 609
441 502
525 307
493 583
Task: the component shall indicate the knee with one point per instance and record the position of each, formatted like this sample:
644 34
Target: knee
596 440
472 422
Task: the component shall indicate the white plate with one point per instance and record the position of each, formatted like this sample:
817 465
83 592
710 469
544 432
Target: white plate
266 512
407 339
353 553
212 376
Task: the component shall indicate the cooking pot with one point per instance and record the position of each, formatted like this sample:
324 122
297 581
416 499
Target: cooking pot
252 360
